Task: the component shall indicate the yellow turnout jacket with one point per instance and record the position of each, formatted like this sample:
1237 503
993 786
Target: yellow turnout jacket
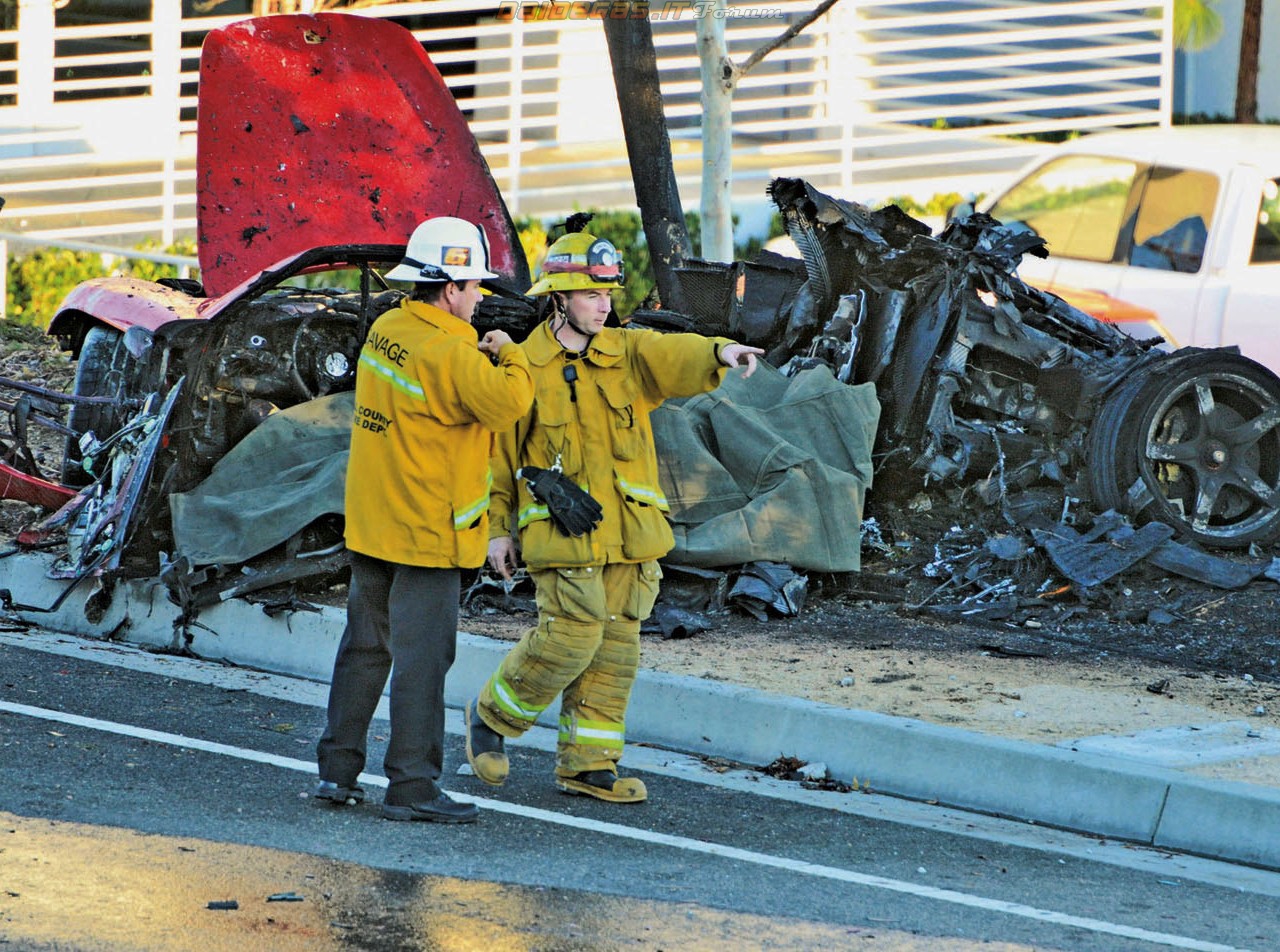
598 430
427 403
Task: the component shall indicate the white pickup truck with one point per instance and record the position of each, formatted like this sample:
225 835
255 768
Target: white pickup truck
1166 231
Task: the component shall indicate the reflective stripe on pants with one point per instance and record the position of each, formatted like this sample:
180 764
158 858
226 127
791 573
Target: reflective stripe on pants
585 647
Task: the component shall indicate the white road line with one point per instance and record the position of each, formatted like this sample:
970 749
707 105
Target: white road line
650 837
1146 859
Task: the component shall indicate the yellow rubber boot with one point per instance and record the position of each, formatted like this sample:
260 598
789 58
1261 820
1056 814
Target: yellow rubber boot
604 785
485 751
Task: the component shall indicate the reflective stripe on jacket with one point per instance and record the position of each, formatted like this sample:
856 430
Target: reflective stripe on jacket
600 433
426 405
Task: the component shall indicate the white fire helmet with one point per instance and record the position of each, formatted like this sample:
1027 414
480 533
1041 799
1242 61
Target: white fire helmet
444 249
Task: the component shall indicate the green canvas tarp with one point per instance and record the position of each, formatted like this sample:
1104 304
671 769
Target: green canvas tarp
771 468
285 474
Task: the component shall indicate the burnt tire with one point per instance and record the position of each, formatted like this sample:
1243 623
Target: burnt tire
102 370
1194 442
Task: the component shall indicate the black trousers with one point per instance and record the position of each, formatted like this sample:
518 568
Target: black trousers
402 620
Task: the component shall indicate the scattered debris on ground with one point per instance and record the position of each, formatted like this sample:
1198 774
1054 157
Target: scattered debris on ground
811 776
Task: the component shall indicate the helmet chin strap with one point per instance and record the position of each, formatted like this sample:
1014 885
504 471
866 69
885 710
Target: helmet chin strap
563 307
574 324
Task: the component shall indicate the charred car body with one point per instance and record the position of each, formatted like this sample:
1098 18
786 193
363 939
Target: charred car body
985 378
980 376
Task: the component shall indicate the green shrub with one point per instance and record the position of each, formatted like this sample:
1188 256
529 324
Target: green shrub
934 207
40 279
534 241
145 270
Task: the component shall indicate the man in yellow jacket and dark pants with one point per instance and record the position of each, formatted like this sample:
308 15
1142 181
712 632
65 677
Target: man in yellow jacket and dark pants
596 576
429 396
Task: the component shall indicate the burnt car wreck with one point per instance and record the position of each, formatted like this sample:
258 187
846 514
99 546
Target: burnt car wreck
1088 448
1069 433
1095 449
1046 416
983 378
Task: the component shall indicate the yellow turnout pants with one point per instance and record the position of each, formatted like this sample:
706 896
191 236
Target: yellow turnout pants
586 647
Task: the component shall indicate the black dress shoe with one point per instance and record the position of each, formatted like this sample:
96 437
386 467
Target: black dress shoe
340 794
443 809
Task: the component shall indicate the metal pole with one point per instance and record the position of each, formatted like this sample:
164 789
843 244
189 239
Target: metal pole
166 80
35 60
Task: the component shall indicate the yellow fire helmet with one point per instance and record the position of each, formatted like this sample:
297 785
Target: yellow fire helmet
579 261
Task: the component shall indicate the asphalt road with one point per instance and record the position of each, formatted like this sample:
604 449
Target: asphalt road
173 783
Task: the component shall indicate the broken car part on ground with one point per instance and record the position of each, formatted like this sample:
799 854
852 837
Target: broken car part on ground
925 355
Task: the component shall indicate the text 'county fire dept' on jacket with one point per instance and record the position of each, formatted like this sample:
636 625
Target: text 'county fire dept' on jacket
598 430
427 404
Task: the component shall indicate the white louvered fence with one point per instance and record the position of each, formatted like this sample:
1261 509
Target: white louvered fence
876 98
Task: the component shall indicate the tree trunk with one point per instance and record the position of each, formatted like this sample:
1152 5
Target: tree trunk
717 138
1247 76
644 126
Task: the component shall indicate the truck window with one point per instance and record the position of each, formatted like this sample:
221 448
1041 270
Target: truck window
1266 241
1076 203
1174 218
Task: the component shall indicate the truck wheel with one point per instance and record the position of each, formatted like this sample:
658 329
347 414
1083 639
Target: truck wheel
1201 432
101 371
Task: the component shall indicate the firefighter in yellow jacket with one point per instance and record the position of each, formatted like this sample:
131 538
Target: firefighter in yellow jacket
588 438
429 397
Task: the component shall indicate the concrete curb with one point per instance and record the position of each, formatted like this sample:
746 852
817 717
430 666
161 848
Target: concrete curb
1085 792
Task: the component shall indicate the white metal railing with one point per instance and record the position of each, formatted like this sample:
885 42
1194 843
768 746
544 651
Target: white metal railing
852 104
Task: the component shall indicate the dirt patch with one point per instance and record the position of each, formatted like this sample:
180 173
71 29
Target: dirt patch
1078 674
29 356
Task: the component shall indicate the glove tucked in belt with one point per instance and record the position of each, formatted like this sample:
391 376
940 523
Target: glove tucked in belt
573 510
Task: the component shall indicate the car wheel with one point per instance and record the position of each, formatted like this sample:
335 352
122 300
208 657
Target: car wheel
101 371
1193 441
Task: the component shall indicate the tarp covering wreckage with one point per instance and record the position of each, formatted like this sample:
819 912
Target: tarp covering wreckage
769 469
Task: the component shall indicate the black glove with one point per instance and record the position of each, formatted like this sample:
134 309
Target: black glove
573 510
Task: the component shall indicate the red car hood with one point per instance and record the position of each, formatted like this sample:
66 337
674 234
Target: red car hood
326 130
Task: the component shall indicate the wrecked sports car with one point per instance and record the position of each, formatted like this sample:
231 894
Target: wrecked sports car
306 197
985 379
